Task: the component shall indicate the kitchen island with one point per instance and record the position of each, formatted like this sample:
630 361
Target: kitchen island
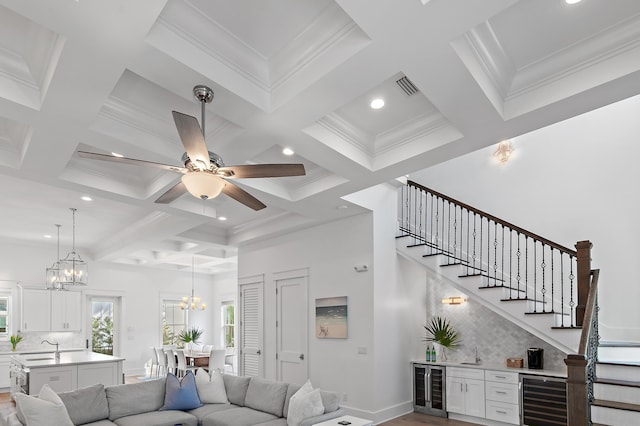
72 371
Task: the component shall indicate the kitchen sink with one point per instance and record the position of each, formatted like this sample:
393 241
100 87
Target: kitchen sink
470 363
40 359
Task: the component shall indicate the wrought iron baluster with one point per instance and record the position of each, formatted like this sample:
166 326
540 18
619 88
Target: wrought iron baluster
572 303
535 287
543 266
561 290
526 269
552 282
495 253
518 255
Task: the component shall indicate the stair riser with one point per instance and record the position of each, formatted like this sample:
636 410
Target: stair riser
612 416
618 372
627 394
619 353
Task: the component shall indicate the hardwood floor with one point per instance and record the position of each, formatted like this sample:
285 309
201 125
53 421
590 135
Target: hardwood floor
417 419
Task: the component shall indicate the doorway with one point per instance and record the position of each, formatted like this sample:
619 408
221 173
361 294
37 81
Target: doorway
103 325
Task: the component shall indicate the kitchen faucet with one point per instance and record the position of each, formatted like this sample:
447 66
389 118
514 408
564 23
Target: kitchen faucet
57 352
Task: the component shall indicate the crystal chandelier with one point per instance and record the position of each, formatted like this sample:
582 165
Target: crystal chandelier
193 302
54 272
75 271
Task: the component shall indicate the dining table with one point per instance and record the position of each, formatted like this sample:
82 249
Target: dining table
197 359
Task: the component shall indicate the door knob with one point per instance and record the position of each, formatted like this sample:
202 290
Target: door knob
259 352
302 357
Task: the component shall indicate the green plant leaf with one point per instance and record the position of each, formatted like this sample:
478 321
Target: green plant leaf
439 330
191 335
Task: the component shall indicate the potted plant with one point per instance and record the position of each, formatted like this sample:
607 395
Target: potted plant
440 332
191 335
15 339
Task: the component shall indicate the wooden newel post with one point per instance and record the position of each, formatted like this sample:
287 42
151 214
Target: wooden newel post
583 260
578 400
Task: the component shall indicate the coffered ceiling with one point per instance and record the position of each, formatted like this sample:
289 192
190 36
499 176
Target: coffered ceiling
104 76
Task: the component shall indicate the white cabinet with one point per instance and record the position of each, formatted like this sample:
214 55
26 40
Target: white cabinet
503 397
107 373
5 361
65 311
36 310
59 378
466 391
46 310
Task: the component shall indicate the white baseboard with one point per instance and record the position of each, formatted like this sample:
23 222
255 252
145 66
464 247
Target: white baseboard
381 416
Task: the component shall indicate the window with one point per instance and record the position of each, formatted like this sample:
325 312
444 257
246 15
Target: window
228 324
4 316
174 320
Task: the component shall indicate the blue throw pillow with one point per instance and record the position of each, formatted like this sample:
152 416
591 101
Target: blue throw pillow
181 394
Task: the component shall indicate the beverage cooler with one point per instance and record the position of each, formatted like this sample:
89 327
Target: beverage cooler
428 389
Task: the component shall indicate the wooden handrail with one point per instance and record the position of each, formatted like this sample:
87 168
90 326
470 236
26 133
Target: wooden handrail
588 314
495 219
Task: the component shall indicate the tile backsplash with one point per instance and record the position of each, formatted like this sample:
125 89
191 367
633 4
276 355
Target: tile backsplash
495 337
31 341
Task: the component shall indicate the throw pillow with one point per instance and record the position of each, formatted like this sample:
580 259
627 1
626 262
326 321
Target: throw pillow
211 387
181 394
305 403
45 410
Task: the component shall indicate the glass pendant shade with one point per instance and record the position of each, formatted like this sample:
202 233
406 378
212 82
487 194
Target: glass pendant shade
74 270
54 272
203 185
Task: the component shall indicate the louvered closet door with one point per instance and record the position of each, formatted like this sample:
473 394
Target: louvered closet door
251 329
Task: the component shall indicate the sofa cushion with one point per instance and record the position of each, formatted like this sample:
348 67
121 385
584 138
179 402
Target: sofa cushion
136 398
330 400
236 387
207 409
104 422
305 403
181 394
86 405
240 416
45 410
266 395
159 418
277 422
293 388
211 387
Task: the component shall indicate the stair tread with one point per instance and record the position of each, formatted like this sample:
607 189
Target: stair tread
616 404
622 363
567 327
628 383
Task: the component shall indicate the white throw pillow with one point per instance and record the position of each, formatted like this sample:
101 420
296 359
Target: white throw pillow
46 410
305 403
211 387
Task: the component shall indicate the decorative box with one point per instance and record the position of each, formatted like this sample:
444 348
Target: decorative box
515 362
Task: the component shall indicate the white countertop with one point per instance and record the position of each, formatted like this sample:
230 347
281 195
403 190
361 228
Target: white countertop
66 358
499 367
39 351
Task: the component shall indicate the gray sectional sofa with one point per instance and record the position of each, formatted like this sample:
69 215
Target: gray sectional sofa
252 401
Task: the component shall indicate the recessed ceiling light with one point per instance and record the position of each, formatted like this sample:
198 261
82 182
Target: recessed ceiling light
115 154
377 103
287 151
86 198
572 1
47 236
222 218
342 207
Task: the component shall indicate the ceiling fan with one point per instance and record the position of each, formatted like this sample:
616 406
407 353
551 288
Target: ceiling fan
204 174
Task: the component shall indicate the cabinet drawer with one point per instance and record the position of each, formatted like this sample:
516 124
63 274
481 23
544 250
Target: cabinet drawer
501 376
466 373
500 411
503 392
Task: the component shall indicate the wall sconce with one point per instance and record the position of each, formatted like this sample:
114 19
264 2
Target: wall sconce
453 300
503 152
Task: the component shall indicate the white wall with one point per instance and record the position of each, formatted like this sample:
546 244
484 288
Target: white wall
572 181
140 288
330 252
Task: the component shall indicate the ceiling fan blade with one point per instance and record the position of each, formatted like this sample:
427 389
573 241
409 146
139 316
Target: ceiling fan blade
174 192
261 170
125 160
192 139
242 196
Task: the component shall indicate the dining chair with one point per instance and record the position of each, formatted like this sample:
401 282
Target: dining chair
154 362
171 360
229 359
216 360
183 367
162 361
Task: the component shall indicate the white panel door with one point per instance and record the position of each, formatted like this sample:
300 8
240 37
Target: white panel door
292 329
251 328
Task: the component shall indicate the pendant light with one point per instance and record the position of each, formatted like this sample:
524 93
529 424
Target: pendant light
75 271
192 302
54 273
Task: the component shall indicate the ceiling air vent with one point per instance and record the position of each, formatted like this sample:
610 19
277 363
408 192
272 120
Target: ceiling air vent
407 86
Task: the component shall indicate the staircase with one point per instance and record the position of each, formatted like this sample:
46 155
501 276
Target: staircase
616 394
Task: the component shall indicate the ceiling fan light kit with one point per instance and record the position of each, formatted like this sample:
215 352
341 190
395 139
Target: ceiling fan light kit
204 174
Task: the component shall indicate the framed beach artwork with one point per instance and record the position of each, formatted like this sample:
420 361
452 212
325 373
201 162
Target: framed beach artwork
331 318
